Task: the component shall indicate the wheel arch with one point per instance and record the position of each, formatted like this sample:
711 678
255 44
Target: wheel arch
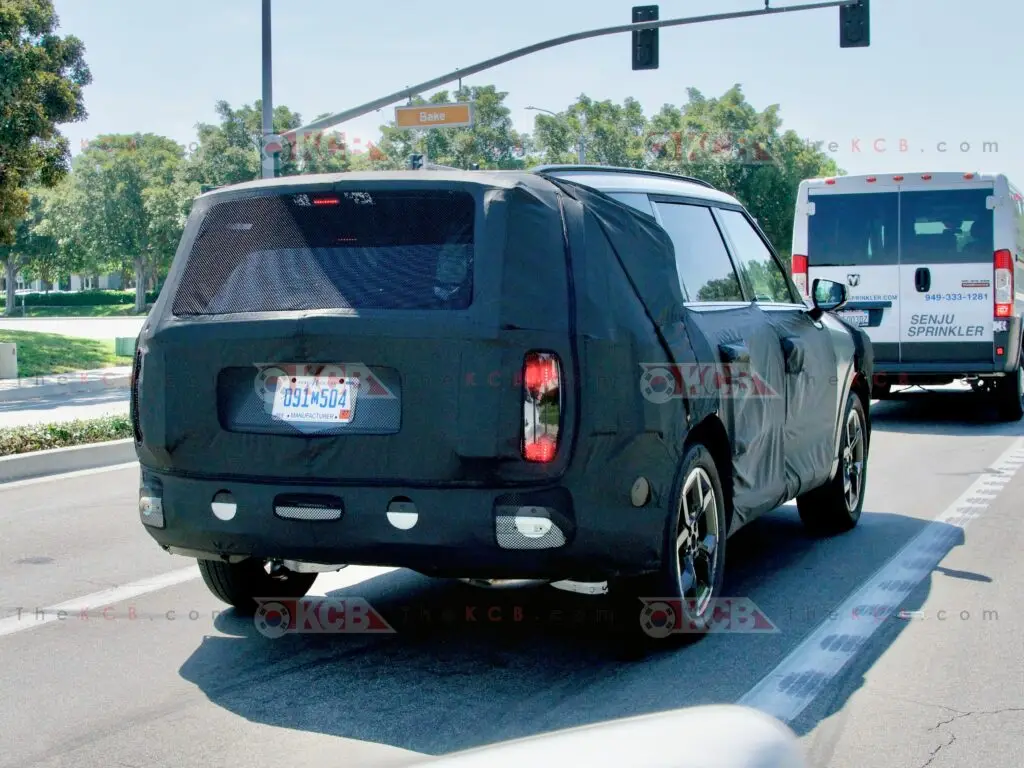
862 389
711 433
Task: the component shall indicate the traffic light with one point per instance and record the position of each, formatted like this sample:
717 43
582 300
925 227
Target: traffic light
855 25
645 41
415 162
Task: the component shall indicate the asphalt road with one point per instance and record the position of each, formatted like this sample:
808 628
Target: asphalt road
62 407
169 678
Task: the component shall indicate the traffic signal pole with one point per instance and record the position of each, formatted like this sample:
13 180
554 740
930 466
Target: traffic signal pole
297 135
268 158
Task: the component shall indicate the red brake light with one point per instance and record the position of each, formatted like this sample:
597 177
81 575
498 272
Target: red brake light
897 178
872 179
968 176
1003 283
830 181
800 272
927 177
542 406
326 200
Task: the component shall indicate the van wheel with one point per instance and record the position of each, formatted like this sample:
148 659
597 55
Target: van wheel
678 602
239 584
1010 394
836 506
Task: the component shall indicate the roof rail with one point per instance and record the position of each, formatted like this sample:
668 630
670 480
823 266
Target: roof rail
543 169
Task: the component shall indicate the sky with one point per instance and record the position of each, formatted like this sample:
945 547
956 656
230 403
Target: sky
936 85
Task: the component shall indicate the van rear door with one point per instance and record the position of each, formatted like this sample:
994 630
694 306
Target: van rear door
946 273
853 238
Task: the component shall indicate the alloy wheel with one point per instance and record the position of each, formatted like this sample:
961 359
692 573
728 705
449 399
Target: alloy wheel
697 540
853 460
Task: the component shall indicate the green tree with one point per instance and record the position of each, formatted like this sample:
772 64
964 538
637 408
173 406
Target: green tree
29 248
60 223
41 81
727 142
491 142
230 151
131 197
613 134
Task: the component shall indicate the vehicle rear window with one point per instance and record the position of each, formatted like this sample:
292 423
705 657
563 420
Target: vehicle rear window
946 226
848 230
334 250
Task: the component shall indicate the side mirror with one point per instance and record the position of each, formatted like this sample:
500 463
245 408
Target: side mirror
826 296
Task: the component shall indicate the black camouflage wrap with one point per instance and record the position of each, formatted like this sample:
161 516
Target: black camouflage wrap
558 267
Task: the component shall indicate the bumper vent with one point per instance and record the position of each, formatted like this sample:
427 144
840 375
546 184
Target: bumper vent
316 508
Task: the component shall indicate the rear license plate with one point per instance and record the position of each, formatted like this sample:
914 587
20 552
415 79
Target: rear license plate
315 399
855 317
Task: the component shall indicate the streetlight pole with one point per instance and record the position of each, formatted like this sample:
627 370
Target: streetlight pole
581 141
268 158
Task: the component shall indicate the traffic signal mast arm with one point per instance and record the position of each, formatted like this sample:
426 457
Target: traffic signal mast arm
407 93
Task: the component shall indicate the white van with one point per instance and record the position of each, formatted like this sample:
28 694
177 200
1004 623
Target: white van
934 267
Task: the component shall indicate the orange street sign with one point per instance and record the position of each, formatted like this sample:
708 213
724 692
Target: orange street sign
434 116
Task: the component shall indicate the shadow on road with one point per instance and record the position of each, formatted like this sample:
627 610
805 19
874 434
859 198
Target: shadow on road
940 412
439 685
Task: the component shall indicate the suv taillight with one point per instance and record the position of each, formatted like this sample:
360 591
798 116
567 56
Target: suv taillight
1003 282
542 406
800 273
134 394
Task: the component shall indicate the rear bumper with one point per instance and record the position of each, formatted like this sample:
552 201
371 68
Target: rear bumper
990 363
457 532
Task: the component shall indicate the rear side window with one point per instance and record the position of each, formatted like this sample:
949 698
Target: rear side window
706 272
946 226
764 275
853 230
636 200
344 250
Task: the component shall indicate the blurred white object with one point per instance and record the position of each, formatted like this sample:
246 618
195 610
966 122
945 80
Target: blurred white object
726 736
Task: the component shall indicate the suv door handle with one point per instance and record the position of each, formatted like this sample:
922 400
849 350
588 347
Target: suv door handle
794 354
923 279
735 352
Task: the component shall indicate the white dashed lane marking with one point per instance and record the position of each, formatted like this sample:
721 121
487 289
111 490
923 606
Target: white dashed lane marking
791 687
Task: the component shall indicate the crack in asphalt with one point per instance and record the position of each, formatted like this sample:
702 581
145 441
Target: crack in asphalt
952 736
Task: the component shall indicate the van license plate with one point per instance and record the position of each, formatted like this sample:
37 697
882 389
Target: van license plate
315 399
855 317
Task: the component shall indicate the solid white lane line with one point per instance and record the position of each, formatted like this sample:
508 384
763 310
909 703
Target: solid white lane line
67 475
30 618
811 666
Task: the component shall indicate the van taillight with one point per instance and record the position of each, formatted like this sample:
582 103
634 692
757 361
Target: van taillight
542 406
800 273
1003 282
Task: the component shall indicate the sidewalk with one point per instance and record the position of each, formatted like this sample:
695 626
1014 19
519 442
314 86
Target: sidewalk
69 384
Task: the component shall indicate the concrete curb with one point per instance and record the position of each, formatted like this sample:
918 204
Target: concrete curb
70 388
25 466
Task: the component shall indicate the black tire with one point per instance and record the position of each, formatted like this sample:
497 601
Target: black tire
239 584
836 506
666 595
1010 394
